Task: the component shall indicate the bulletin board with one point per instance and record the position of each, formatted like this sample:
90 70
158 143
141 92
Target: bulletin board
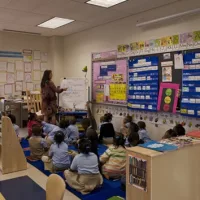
143 83
21 71
190 104
109 80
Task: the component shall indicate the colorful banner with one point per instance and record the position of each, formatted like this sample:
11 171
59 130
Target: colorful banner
118 92
182 41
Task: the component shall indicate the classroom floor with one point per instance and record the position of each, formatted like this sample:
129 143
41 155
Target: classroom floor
37 176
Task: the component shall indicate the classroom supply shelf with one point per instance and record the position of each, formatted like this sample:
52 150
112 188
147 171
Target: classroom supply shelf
153 175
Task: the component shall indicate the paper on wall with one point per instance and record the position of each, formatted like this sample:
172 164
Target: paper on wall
36 65
8 89
19 65
3 77
36 55
28 77
37 86
44 57
43 66
3 66
10 78
36 75
19 76
30 86
178 61
11 67
27 66
1 90
166 74
18 86
106 90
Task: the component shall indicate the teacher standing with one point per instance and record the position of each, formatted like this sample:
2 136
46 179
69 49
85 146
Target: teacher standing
49 99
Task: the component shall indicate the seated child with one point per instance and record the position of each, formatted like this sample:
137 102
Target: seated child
15 126
72 131
133 138
126 123
114 159
63 124
169 134
143 132
107 132
84 175
58 152
50 130
179 130
32 120
89 125
38 145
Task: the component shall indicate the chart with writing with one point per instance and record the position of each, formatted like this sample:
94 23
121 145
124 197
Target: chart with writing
143 83
75 96
190 103
109 81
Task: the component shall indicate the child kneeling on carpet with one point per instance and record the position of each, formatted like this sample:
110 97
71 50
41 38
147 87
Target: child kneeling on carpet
38 145
84 175
72 131
114 159
59 158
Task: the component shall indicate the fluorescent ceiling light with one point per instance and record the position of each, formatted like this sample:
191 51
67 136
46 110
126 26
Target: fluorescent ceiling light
55 23
105 3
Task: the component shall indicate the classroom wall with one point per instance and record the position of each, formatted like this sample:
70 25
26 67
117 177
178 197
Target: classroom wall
78 47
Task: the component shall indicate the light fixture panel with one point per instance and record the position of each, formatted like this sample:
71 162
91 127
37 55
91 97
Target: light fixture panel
105 3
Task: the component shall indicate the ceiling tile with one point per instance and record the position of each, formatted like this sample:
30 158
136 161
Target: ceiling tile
26 5
4 2
135 6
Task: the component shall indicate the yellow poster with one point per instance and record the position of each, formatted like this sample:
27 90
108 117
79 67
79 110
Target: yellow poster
117 77
118 92
99 97
141 45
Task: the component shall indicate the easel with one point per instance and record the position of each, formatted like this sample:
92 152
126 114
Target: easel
12 158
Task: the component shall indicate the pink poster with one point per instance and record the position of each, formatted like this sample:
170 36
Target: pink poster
109 81
168 97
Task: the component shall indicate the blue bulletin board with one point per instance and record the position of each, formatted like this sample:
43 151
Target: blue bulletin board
143 83
190 103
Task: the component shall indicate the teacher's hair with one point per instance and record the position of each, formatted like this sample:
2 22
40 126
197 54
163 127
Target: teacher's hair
45 78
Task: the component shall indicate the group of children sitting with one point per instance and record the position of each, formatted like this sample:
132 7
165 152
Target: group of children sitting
84 171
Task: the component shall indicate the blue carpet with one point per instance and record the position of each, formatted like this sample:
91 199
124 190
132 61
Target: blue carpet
108 189
21 188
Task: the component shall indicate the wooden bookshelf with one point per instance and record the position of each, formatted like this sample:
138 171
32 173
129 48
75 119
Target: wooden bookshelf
173 175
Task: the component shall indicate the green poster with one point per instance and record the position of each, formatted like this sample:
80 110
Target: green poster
196 36
175 39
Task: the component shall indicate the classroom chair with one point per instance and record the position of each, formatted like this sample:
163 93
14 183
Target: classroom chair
55 188
34 102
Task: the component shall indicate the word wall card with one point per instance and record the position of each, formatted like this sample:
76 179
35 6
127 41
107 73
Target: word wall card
143 83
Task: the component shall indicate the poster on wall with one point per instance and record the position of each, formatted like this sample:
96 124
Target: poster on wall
109 81
168 97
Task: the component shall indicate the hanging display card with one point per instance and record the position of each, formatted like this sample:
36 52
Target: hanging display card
138 173
143 83
109 81
168 97
190 103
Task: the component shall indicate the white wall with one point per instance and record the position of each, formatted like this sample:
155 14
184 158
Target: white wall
78 47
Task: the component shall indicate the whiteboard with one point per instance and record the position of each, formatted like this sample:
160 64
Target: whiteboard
75 94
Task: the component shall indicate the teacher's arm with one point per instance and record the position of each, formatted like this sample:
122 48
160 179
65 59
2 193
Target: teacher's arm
55 89
93 122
